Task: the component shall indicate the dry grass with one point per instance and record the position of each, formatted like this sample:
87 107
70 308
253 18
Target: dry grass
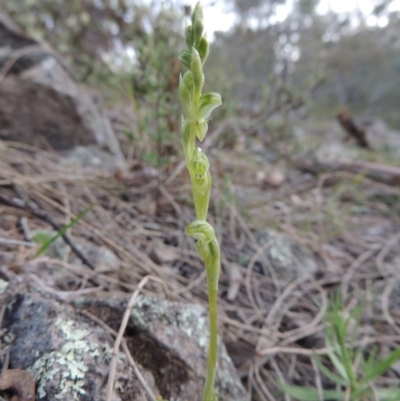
350 225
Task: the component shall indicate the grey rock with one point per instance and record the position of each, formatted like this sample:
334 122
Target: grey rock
170 339
288 258
69 354
40 101
90 157
66 353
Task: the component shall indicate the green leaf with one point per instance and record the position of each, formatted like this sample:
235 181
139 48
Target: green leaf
381 366
62 231
324 370
208 102
388 394
311 393
337 363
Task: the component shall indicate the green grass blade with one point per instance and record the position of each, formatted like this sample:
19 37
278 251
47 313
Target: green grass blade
388 394
381 366
62 231
337 363
325 371
311 393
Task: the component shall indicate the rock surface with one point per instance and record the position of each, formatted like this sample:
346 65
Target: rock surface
41 103
287 257
170 340
69 354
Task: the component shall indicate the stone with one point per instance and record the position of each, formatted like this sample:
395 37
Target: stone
163 254
287 257
69 354
170 339
40 102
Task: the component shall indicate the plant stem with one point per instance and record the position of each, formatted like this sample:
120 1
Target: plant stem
208 394
197 108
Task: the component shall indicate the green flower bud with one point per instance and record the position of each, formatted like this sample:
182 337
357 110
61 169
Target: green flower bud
188 145
201 183
188 79
189 37
198 29
203 49
207 245
197 72
201 129
207 103
197 12
200 167
186 58
186 100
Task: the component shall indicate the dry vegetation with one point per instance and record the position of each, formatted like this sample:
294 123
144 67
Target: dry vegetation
270 324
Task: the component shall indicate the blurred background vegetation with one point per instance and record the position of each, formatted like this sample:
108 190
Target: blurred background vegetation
320 60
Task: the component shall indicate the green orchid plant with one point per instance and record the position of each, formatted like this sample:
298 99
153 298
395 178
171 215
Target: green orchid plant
197 109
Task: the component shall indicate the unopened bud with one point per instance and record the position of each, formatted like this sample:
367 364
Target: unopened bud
203 49
189 38
196 68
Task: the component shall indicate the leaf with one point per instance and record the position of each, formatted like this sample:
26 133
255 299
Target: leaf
324 370
380 366
208 102
388 394
62 231
337 363
311 393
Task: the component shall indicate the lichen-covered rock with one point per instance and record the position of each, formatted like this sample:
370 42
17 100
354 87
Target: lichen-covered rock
69 354
170 339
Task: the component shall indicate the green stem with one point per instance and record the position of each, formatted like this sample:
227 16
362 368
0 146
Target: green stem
208 394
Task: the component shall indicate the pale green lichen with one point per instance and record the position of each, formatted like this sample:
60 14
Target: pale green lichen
71 357
191 320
